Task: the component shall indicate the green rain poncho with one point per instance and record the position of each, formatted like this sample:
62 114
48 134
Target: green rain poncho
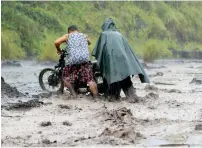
115 57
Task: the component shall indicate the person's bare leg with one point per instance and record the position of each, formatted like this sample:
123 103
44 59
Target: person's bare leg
93 88
70 87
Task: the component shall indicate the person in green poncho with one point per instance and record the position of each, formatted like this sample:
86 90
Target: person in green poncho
117 62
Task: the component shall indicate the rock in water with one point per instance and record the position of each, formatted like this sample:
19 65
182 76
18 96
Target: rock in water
198 127
196 81
67 123
46 123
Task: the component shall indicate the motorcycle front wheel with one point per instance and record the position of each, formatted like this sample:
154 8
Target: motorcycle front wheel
49 81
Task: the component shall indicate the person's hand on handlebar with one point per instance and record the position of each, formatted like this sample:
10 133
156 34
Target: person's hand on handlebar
59 51
59 41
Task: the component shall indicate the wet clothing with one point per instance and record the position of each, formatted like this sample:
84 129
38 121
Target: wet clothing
115 88
78 69
81 73
77 48
115 57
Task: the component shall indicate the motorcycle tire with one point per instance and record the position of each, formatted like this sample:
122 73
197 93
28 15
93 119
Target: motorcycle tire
41 83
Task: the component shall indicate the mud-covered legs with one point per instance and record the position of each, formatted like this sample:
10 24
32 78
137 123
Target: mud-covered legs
127 86
71 88
93 88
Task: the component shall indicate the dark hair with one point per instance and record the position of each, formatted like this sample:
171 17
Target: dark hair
72 28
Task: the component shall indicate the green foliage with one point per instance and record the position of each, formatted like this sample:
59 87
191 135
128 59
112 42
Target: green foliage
192 46
29 28
10 45
49 52
154 49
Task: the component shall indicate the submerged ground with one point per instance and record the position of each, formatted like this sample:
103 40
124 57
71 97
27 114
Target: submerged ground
169 113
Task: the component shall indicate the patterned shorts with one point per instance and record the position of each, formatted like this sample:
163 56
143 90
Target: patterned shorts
81 73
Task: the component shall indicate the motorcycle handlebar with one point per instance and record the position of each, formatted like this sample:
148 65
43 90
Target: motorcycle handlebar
64 52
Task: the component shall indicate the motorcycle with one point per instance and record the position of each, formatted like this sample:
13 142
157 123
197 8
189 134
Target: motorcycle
51 79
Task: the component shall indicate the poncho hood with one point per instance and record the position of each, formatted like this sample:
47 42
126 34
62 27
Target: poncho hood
108 25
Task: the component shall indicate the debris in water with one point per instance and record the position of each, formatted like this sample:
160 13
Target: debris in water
150 88
46 141
157 74
174 91
46 123
42 95
173 104
152 107
152 96
65 106
128 133
80 139
198 127
24 105
156 67
164 83
67 123
120 115
196 81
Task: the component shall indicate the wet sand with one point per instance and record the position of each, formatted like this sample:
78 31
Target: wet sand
167 115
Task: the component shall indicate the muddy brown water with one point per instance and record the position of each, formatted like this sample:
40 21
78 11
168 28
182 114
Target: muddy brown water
167 115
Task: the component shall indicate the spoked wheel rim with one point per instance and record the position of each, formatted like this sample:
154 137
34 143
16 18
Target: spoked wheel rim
45 83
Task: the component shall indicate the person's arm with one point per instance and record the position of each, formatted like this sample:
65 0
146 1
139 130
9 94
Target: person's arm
59 41
89 42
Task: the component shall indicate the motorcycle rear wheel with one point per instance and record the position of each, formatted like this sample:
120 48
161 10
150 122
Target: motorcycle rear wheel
44 84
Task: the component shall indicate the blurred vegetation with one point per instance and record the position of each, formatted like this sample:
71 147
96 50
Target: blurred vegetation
29 28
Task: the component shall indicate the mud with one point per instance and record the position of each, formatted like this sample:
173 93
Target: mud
150 88
42 95
128 134
169 113
9 91
118 116
23 105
